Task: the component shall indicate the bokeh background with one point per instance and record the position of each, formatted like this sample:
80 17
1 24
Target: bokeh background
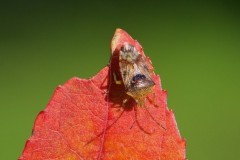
194 46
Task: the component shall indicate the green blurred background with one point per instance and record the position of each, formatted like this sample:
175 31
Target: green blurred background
194 46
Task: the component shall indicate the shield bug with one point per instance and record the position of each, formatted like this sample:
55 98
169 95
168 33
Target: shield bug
135 73
136 79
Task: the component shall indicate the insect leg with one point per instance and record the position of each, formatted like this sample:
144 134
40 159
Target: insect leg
152 101
133 123
124 102
154 119
115 79
138 124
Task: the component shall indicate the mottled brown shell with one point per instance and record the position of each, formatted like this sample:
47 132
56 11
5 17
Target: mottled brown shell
135 73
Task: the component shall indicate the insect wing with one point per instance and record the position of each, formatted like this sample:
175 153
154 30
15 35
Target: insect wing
142 78
133 68
143 68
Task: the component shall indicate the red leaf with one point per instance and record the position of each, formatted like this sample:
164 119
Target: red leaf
85 119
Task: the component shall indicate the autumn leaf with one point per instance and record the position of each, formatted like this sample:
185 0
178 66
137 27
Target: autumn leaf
86 119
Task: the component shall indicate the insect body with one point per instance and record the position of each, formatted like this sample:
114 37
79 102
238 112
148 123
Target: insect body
135 73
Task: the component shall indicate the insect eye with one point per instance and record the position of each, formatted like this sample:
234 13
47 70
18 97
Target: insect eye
138 77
